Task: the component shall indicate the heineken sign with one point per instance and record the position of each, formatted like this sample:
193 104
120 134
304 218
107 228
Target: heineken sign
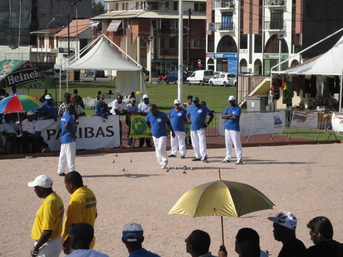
23 76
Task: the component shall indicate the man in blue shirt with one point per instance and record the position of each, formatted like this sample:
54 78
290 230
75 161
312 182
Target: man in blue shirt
68 146
156 121
48 109
196 116
178 117
101 109
133 239
231 116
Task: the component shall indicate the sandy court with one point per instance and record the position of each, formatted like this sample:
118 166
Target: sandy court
304 179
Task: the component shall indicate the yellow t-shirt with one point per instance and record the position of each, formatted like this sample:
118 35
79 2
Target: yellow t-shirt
49 217
81 208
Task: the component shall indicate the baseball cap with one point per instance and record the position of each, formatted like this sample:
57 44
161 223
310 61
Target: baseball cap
30 113
177 101
195 99
82 231
66 94
232 98
47 97
132 232
145 96
41 181
286 219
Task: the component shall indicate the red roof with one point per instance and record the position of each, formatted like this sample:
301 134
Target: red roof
82 25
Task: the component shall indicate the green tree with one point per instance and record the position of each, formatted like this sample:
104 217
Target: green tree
97 8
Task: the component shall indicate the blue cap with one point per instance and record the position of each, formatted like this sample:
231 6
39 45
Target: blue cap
132 232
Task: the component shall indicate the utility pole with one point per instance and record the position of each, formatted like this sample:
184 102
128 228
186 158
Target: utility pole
189 37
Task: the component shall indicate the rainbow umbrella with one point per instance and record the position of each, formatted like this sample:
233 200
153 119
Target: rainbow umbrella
19 103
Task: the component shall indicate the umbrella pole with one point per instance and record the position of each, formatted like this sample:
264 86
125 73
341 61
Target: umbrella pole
219 175
19 125
221 220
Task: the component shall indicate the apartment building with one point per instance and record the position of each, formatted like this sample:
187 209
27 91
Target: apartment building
148 31
252 36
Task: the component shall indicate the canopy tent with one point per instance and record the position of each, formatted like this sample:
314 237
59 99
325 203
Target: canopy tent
327 64
104 57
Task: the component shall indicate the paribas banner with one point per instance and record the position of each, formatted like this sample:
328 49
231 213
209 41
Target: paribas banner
92 133
252 123
337 122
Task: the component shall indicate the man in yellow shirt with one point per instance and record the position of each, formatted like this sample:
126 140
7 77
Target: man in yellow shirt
47 227
81 208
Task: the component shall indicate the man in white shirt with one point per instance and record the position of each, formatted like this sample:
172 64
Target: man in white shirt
32 135
119 107
14 91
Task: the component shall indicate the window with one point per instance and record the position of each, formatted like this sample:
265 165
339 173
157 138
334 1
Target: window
41 42
200 7
195 43
51 42
258 43
142 43
276 19
227 23
166 6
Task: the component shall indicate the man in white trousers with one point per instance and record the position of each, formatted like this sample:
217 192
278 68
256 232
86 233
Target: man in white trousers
231 116
68 137
178 117
157 121
196 116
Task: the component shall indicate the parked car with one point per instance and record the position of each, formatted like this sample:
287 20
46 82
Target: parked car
223 79
99 73
55 74
173 76
200 77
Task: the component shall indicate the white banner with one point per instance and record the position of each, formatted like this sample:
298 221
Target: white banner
258 123
92 133
308 120
337 122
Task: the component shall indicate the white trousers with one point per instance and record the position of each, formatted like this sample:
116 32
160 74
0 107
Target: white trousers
160 144
67 156
178 142
51 248
199 143
233 138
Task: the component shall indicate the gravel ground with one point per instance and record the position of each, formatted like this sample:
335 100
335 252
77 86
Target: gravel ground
303 179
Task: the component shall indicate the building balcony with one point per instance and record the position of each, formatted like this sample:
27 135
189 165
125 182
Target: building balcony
225 26
275 25
225 4
274 3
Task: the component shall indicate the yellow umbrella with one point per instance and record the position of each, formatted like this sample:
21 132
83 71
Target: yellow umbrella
221 198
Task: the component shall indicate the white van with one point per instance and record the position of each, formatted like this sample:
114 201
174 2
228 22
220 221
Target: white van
200 77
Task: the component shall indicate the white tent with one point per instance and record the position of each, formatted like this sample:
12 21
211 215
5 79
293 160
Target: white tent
104 57
327 64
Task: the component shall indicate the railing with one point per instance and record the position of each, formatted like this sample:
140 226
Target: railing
229 26
225 4
274 2
275 25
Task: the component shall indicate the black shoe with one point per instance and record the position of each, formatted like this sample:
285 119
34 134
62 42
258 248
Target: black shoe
225 161
149 146
62 174
196 159
182 157
171 155
205 160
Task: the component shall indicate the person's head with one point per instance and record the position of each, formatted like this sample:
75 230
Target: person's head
45 91
284 225
132 236
203 103
195 100
99 92
75 91
119 99
132 95
71 109
101 102
245 234
42 185
81 235
146 99
189 99
2 91
110 92
67 97
153 109
177 104
320 229
30 116
198 243
232 100
249 248
73 181
14 88
133 101
48 99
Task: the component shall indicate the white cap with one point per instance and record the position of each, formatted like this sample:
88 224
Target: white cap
41 181
132 232
47 97
177 101
145 96
232 98
30 113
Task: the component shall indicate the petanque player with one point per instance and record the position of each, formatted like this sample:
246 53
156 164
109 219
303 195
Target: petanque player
47 227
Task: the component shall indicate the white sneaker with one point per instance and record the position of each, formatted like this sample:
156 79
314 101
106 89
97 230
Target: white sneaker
164 166
239 161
